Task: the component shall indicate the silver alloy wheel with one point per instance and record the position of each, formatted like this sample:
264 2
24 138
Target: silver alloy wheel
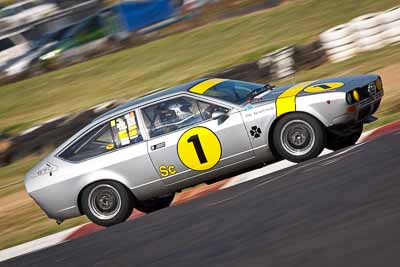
297 137
104 201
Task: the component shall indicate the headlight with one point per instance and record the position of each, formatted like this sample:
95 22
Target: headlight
356 96
352 97
379 84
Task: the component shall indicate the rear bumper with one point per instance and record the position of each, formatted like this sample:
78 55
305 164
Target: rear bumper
57 211
58 199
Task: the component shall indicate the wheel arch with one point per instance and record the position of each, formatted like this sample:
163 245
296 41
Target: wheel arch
79 198
275 122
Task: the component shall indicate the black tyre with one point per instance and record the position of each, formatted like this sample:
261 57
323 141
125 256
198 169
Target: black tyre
107 203
336 142
155 204
299 137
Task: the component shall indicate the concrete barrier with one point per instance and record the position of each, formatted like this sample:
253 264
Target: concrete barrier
49 134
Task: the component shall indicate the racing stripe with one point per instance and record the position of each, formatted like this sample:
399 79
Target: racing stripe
202 87
286 102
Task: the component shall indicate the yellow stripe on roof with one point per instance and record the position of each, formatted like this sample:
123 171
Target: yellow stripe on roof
202 87
286 102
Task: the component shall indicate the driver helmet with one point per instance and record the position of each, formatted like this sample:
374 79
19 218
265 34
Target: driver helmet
180 110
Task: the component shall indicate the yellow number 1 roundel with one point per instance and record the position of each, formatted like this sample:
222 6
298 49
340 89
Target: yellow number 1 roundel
199 149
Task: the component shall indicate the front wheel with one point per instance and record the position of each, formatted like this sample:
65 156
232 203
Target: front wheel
107 203
299 137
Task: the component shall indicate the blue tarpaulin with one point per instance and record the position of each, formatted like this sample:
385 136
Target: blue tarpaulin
135 15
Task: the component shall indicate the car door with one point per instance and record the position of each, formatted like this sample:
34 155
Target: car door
188 142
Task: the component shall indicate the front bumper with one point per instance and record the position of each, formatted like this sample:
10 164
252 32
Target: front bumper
360 112
368 106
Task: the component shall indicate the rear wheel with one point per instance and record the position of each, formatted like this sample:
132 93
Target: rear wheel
107 203
336 142
155 204
299 137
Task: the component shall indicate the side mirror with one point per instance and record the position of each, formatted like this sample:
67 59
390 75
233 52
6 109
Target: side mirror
220 116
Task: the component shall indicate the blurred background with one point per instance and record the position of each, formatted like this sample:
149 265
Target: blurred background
62 63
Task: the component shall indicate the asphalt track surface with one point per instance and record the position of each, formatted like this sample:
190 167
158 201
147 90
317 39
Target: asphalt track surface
342 209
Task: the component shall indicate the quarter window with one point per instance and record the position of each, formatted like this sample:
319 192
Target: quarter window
94 143
119 132
171 115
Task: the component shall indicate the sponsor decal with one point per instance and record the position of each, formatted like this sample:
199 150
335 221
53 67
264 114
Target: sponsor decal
48 168
166 171
249 107
110 146
255 131
126 129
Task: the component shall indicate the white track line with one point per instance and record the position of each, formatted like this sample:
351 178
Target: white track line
37 244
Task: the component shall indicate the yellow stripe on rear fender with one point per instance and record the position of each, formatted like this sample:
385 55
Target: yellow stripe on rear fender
202 87
286 102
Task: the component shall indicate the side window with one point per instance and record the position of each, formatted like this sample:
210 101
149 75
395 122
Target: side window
107 137
207 109
126 130
94 143
171 115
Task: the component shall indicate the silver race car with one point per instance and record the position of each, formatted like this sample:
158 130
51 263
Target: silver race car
139 154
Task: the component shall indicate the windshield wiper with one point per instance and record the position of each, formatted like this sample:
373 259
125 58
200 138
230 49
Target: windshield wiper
267 87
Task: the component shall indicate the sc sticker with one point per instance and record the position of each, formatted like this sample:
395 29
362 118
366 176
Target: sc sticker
199 149
323 87
166 171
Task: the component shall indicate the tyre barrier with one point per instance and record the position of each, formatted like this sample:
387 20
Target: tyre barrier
248 72
391 15
309 56
5 144
391 26
365 33
369 32
280 63
48 134
339 43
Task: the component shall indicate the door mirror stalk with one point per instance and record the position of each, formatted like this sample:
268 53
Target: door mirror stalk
220 116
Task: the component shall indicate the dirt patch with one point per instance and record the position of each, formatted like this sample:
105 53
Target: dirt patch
390 76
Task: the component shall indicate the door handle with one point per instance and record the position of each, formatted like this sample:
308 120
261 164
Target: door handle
158 146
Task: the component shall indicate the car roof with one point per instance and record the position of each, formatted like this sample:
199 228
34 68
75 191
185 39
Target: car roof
152 96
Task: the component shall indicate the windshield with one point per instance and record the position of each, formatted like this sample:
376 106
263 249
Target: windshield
236 92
